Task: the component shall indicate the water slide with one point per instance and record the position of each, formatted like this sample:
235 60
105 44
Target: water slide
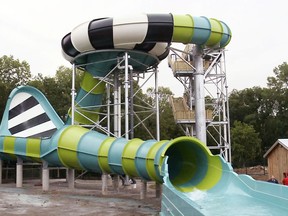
217 190
32 131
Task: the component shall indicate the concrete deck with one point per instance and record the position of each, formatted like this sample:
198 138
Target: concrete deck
85 199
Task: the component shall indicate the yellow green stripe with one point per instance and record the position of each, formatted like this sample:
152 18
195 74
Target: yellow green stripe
216 32
90 83
33 149
183 28
9 146
128 156
86 117
103 154
150 161
213 174
68 145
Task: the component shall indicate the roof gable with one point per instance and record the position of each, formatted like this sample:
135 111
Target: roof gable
282 142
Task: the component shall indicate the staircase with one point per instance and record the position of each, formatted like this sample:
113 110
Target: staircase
182 113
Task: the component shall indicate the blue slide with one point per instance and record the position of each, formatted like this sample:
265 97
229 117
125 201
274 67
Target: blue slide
233 194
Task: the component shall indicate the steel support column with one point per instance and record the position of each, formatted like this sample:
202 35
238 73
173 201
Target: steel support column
200 116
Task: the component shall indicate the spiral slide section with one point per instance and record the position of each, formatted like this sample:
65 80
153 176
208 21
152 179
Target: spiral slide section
149 33
104 40
88 100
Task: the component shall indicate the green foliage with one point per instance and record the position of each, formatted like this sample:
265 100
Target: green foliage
280 81
265 109
246 144
12 73
246 105
57 89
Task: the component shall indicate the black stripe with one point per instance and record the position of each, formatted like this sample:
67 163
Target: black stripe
43 134
165 54
30 123
146 47
100 33
160 28
22 107
68 47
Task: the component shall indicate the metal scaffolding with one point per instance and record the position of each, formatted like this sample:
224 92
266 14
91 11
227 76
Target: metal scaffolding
122 68
203 111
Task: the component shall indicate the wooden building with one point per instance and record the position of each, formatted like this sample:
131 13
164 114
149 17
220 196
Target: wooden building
277 157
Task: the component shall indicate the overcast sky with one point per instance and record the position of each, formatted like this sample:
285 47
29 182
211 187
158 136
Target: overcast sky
32 30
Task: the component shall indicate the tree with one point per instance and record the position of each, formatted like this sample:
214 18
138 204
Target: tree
246 144
278 86
276 124
58 89
259 107
246 105
12 73
280 81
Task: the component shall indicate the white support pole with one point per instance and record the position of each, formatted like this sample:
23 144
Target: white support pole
19 173
71 178
73 93
226 110
119 110
117 118
45 176
200 116
157 105
70 174
116 181
223 101
143 189
108 108
104 178
158 186
117 104
126 84
228 130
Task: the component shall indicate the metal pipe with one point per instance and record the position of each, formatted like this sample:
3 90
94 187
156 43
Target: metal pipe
108 107
223 101
228 140
117 131
126 84
73 91
200 116
157 105
131 107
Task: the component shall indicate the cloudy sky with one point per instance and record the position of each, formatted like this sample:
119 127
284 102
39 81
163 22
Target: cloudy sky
32 30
